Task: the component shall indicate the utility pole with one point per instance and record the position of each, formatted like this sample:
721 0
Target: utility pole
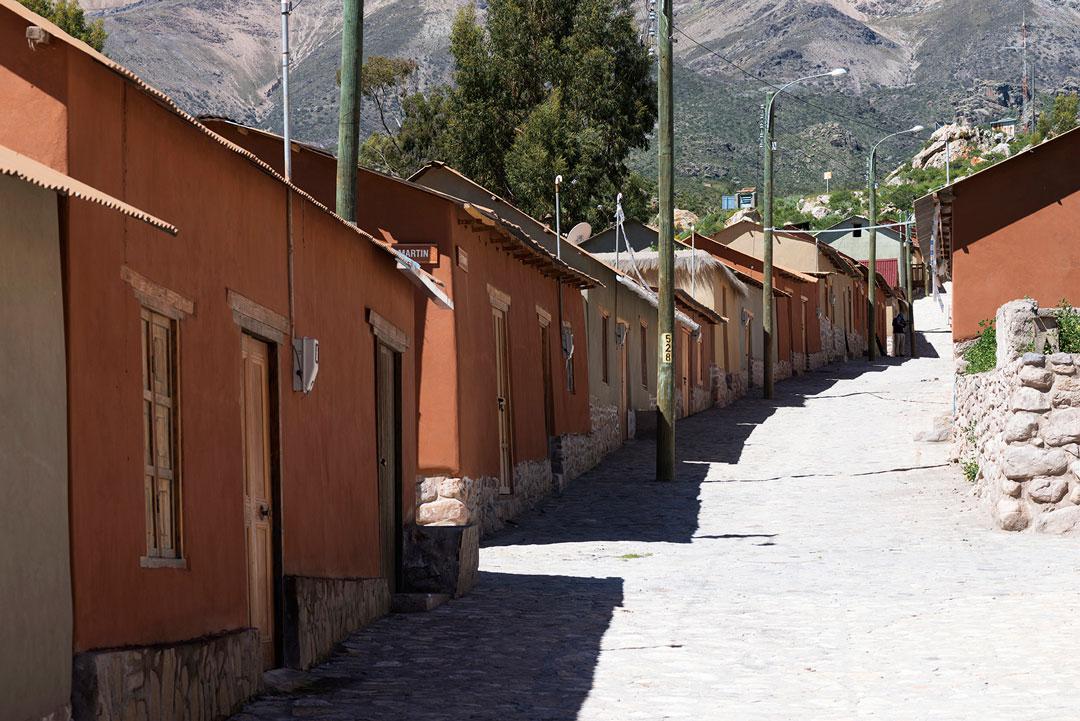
665 382
871 285
286 8
352 52
1024 82
767 209
766 261
908 287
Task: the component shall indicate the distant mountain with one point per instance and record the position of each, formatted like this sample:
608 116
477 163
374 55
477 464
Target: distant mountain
912 61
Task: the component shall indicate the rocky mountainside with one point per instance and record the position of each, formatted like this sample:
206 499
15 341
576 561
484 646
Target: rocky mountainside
912 61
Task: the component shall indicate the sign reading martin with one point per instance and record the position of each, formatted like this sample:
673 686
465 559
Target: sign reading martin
422 253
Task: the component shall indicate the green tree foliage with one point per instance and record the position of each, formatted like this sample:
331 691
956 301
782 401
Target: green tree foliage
544 88
1060 118
69 17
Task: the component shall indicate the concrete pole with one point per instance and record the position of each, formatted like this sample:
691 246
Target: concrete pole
871 285
665 382
767 256
286 8
352 52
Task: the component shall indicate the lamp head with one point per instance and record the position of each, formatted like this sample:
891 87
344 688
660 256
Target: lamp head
837 72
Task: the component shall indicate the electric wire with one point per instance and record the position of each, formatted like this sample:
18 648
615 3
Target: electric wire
756 78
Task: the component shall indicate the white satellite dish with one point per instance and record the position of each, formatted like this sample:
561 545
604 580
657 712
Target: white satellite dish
579 233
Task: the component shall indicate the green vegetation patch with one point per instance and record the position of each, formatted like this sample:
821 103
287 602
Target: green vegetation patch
981 356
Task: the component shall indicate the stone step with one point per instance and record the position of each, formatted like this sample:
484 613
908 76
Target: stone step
417 602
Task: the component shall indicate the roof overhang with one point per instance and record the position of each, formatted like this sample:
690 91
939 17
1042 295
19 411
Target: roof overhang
31 171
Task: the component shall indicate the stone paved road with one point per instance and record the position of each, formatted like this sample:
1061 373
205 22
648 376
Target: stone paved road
812 563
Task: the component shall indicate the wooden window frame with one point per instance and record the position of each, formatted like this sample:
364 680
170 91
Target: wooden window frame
644 354
700 358
568 363
605 328
156 556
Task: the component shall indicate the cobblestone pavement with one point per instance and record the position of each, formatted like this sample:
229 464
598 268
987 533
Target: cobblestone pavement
812 563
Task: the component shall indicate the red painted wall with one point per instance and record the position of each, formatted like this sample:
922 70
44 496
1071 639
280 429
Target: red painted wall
231 217
1015 230
458 434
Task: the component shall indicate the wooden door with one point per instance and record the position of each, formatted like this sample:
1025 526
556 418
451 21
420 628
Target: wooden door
258 494
684 370
504 410
749 354
388 426
549 390
624 382
805 347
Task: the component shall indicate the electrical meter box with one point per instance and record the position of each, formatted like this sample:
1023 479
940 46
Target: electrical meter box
306 360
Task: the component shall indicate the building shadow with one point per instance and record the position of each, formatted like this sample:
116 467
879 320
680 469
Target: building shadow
518 648
924 347
619 500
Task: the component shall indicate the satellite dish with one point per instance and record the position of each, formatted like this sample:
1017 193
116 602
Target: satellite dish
579 233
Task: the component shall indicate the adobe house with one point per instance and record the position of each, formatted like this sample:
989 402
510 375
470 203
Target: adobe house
805 332
493 412
841 283
851 237
717 288
1007 232
221 521
604 300
35 645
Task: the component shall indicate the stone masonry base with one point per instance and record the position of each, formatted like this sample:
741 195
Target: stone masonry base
449 501
321 612
207 678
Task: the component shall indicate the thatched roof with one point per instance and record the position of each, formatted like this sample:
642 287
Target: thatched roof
706 266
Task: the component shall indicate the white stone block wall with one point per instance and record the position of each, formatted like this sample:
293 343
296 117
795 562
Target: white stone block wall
1020 423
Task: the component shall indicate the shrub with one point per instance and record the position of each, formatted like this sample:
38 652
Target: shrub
1068 327
981 356
971 469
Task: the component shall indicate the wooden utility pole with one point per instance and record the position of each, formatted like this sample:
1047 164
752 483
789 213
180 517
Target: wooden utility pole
665 382
352 53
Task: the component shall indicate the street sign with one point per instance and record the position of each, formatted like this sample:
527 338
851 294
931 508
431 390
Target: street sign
422 253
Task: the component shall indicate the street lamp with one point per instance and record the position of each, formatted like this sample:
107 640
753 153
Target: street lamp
767 300
871 295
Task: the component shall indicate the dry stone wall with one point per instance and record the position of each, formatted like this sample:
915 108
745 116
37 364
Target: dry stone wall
207 678
321 612
1019 424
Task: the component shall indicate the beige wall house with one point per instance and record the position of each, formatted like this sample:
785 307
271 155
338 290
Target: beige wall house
36 636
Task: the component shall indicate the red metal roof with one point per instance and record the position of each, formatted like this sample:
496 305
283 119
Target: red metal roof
889 269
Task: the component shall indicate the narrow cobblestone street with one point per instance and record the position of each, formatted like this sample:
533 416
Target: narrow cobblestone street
812 563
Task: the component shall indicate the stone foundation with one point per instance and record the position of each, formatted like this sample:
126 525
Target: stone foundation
818 360
833 342
206 678
441 559
1019 424
321 612
445 501
798 362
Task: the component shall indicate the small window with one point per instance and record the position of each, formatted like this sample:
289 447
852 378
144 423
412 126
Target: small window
604 328
161 475
856 230
644 355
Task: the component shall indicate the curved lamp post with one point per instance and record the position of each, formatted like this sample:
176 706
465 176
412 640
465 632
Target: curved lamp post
871 266
767 262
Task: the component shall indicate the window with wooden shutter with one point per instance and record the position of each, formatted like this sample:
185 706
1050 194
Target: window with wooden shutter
161 475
